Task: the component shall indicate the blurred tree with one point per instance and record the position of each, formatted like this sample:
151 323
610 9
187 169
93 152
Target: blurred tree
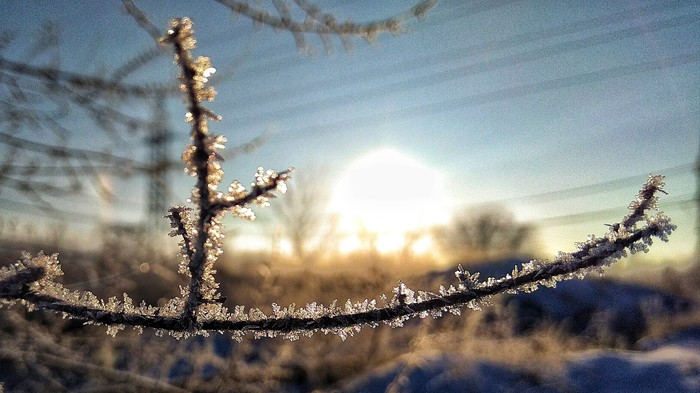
303 216
492 232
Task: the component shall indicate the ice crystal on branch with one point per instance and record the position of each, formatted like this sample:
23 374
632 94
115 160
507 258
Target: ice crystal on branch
202 244
467 281
200 307
29 273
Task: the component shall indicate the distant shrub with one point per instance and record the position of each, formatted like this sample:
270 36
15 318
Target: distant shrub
491 232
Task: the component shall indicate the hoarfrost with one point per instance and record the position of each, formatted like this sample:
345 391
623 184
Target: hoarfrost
200 307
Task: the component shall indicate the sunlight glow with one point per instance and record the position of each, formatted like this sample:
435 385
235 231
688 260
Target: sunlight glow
385 195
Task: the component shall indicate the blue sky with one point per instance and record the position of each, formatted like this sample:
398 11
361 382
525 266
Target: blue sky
511 101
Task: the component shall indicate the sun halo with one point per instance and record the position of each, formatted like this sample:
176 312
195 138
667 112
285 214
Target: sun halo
389 194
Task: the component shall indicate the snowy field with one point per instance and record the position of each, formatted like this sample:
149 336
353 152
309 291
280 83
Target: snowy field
671 365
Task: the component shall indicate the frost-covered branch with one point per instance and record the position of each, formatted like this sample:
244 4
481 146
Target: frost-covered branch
202 239
20 282
200 308
323 24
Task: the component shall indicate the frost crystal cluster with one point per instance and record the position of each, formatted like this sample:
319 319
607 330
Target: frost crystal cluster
200 308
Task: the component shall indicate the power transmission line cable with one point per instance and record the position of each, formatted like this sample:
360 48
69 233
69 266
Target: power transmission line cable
594 188
597 215
519 40
461 103
432 59
276 62
458 72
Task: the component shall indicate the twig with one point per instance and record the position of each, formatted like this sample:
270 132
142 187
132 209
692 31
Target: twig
592 255
200 309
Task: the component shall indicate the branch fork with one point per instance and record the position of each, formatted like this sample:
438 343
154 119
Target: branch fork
200 308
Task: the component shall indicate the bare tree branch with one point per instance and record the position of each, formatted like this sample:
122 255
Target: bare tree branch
200 309
24 283
324 24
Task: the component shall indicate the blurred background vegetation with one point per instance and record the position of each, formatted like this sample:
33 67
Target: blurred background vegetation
49 173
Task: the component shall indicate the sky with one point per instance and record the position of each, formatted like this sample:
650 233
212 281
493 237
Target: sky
557 110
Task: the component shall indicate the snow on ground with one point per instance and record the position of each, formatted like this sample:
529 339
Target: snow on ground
670 368
669 364
594 306
673 367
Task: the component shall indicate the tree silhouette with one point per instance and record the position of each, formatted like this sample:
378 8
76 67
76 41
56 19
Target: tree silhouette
488 232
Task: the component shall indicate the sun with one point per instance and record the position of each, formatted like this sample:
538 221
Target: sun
388 194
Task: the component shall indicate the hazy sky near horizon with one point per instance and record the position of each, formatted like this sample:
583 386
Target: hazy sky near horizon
556 109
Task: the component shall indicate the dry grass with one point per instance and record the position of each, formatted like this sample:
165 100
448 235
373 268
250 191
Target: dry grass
30 349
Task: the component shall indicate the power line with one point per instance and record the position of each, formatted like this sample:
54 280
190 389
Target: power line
64 151
458 72
590 189
597 215
461 103
31 210
429 60
286 62
594 188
